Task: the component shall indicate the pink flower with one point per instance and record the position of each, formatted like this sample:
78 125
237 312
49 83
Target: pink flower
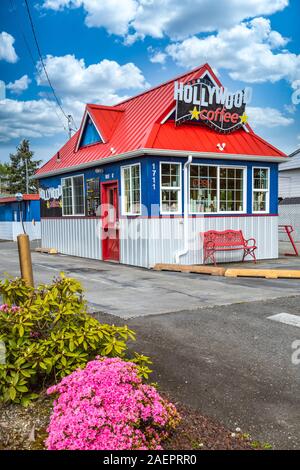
107 407
7 309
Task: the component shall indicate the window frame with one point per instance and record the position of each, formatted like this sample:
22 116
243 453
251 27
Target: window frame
62 196
218 212
267 191
169 188
123 209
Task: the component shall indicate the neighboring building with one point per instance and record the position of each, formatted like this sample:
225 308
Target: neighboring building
289 193
140 180
12 213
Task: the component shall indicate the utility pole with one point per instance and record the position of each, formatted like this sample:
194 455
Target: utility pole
70 125
27 180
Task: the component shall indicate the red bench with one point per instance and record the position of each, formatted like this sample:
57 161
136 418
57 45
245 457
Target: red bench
228 240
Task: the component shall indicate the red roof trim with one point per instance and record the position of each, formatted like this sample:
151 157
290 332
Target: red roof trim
26 197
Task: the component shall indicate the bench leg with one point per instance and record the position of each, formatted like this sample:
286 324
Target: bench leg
209 254
251 252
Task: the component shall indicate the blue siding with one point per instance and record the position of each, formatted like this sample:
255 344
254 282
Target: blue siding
10 211
150 179
90 134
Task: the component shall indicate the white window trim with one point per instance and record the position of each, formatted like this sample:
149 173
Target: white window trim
124 212
267 191
218 212
177 188
73 205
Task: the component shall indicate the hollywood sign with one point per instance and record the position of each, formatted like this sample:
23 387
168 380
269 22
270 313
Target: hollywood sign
215 106
51 193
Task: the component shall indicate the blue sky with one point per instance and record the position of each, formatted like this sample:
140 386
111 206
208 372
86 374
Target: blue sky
101 52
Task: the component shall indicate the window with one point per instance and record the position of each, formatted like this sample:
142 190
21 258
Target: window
203 188
216 189
170 188
131 190
260 189
73 195
231 189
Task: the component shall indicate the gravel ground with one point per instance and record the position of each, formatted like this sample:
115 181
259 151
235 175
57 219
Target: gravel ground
25 429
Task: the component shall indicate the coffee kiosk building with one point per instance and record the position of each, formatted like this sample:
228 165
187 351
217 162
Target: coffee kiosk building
140 181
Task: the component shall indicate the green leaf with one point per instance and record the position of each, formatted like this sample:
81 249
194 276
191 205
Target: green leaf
12 393
22 388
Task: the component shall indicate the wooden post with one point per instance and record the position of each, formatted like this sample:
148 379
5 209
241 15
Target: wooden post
25 258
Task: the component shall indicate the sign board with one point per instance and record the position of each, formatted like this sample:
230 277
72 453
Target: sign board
51 201
201 101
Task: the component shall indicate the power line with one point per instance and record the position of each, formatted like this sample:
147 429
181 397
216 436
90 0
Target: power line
42 60
67 116
13 5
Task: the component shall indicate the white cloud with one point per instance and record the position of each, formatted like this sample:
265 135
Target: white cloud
7 50
250 51
25 119
267 117
97 83
19 85
75 84
177 19
113 15
156 56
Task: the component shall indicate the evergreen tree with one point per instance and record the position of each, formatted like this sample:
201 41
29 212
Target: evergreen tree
17 169
4 187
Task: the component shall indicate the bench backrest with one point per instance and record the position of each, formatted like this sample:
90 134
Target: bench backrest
225 238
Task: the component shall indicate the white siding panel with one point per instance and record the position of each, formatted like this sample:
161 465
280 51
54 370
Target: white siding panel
32 230
134 242
10 230
76 237
6 230
263 229
145 242
289 183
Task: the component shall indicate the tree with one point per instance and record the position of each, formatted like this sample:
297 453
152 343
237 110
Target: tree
22 166
4 187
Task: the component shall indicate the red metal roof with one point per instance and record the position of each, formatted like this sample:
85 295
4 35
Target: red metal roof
136 124
26 197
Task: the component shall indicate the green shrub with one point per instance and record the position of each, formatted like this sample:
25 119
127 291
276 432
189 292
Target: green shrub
48 334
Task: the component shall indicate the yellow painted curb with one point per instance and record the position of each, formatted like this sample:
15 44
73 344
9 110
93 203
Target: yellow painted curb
267 273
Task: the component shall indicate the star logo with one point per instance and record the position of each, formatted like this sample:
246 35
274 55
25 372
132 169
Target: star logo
195 113
244 118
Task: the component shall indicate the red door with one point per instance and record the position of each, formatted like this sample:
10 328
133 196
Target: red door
110 221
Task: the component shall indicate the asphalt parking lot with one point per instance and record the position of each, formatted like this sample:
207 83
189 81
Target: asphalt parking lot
212 340
128 292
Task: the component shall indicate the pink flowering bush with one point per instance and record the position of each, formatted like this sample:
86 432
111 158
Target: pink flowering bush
106 406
